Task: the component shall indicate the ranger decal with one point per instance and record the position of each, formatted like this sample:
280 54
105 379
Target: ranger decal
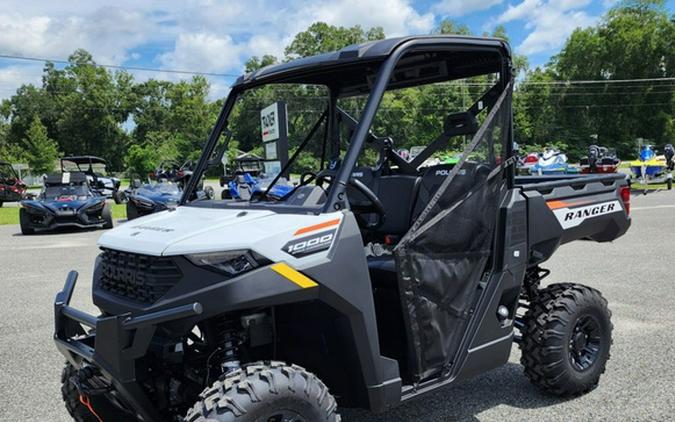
572 217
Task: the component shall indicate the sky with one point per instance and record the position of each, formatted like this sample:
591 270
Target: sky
219 36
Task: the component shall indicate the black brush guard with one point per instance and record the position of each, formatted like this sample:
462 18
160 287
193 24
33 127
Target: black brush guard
122 340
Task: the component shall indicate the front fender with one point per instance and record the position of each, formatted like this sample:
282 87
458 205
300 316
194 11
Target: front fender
36 207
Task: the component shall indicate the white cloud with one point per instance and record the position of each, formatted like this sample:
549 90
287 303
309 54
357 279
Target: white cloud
397 17
550 22
204 51
107 33
463 7
12 77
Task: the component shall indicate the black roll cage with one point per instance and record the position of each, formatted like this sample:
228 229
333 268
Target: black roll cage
337 193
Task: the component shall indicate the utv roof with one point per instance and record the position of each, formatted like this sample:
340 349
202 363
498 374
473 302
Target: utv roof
469 56
84 159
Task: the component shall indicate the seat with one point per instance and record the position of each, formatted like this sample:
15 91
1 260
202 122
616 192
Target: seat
433 177
397 194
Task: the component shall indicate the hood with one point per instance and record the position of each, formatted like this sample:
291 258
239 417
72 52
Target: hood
191 230
155 233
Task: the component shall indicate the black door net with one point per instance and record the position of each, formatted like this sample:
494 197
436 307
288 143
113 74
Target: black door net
446 253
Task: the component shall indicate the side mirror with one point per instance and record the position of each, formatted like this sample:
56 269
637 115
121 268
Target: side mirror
136 183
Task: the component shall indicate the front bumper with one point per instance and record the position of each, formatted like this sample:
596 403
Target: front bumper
49 221
113 344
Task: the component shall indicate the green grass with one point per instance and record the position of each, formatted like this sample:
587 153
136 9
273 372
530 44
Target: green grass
650 186
119 211
10 215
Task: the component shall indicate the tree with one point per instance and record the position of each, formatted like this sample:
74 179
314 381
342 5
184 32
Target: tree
85 107
634 41
43 151
447 26
321 37
255 62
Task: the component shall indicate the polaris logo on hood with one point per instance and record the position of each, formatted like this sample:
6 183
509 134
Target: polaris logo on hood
153 228
572 217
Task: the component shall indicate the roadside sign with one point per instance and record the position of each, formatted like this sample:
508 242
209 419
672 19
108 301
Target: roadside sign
274 134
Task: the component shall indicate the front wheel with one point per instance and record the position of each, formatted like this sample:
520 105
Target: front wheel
670 183
266 391
132 212
106 215
567 335
24 221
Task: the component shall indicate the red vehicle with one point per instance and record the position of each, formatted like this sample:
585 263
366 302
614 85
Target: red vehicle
12 189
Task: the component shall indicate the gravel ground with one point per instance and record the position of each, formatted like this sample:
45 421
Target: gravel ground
634 273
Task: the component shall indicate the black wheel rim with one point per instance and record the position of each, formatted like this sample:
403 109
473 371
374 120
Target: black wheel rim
285 416
585 343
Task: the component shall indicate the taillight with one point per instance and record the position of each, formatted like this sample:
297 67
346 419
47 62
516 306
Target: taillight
624 191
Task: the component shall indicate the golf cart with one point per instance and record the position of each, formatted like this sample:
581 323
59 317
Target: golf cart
66 200
12 188
370 284
95 169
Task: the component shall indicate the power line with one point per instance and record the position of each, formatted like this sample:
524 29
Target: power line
119 67
603 81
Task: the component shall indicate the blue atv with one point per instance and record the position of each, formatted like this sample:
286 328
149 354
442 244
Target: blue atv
67 200
245 187
149 198
247 181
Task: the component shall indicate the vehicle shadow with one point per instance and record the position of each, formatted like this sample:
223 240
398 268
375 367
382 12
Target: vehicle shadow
506 385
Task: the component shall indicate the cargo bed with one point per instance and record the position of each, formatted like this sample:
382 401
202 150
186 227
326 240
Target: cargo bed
564 208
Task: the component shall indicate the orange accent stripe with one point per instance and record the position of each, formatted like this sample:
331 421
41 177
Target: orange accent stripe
554 205
325 224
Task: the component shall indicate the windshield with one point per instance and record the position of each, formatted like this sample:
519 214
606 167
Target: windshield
66 193
416 114
152 189
97 169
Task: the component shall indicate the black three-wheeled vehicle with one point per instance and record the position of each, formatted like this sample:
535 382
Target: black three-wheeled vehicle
371 285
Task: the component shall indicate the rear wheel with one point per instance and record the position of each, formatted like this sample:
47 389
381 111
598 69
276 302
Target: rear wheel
266 391
106 214
670 183
566 339
0 204
24 221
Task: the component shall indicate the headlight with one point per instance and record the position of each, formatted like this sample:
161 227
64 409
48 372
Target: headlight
142 203
230 262
96 207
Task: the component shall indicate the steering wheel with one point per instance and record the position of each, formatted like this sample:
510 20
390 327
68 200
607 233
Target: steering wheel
374 207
